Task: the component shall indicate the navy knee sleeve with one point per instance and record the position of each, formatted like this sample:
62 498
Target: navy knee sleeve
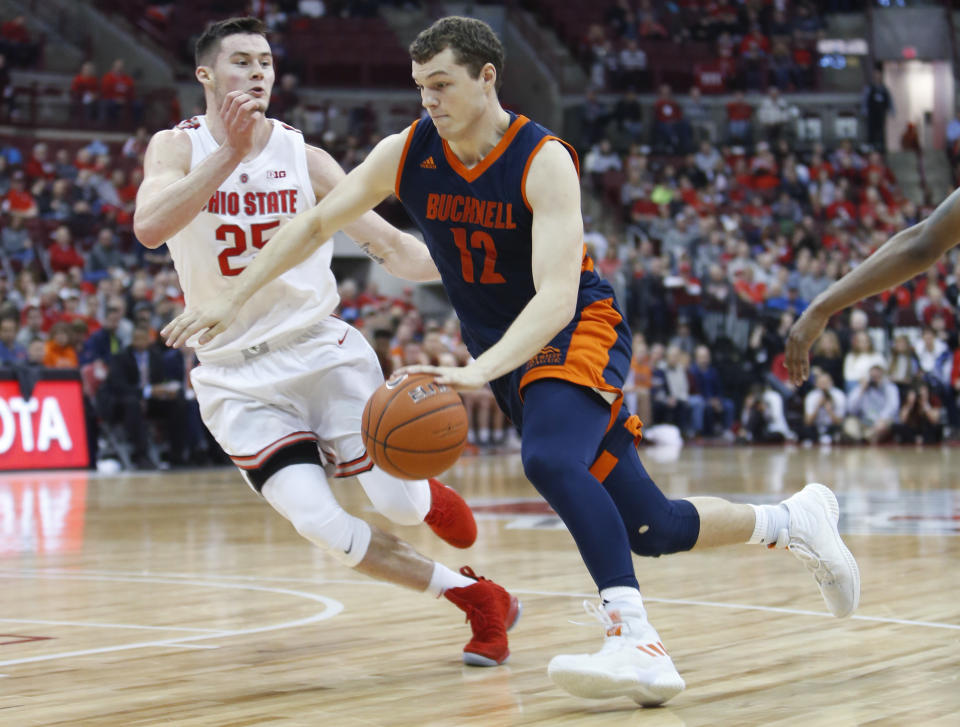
655 524
671 526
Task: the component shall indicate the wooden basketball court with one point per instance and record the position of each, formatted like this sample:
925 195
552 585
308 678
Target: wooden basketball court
182 599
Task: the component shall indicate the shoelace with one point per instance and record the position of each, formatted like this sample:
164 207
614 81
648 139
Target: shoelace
600 615
612 630
821 574
438 517
474 615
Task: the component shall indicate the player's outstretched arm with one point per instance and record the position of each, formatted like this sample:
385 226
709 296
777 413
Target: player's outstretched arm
171 193
360 191
400 253
906 254
553 191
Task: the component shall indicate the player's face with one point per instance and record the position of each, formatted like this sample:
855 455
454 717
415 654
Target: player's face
243 63
450 94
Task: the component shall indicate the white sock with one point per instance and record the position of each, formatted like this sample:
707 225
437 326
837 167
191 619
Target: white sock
444 578
624 594
771 519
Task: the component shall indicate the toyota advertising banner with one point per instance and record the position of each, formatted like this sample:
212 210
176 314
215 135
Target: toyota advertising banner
43 427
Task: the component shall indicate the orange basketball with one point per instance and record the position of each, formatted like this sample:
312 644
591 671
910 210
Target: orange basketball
414 427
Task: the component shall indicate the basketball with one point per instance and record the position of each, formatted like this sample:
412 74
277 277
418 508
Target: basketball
414 427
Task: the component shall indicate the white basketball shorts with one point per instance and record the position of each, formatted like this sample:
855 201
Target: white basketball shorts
311 386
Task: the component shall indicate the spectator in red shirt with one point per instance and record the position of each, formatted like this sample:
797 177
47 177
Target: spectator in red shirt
842 208
739 126
85 92
818 164
754 51
803 61
84 160
116 92
671 135
128 192
876 169
18 45
649 27
754 43
747 288
18 201
936 307
63 255
15 30
70 302
39 166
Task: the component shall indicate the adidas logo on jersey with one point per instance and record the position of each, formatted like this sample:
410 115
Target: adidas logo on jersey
428 163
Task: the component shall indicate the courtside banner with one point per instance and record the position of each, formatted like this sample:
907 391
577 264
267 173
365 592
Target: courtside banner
45 430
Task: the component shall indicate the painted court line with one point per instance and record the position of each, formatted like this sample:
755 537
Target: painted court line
345 581
752 607
193 646
331 609
90 624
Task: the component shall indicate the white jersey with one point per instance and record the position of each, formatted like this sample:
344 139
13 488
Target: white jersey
237 221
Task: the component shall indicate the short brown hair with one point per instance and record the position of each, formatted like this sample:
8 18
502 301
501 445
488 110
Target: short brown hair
473 42
209 43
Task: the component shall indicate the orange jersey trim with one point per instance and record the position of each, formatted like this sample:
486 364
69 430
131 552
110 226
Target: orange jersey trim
526 168
472 174
253 461
403 157
586 265
588 353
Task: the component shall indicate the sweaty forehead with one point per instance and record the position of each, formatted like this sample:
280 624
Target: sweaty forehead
249 43
442 64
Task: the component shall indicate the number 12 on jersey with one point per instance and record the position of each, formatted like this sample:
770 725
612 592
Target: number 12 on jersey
478 239
238 236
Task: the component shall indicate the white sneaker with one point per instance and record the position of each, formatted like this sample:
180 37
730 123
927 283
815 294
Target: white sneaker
814 539
632 663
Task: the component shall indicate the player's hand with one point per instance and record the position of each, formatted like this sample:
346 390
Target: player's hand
214 317
239 113
461 378
802 334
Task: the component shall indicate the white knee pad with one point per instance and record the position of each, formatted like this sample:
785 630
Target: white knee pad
301 494
405 502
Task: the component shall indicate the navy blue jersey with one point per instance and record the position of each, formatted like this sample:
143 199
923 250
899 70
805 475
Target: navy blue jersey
477 225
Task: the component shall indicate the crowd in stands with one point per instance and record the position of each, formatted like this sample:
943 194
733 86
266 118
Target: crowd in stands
722 44
714 239
105 101
78 292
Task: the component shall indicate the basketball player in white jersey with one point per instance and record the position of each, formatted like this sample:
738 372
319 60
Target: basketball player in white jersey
284 392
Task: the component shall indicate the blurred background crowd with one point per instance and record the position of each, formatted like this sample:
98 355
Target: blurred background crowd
709 206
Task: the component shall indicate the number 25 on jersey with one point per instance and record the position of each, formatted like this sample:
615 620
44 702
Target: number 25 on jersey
238 236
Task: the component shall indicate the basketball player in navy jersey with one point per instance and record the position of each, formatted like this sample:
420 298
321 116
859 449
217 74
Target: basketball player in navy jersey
290 380
497 197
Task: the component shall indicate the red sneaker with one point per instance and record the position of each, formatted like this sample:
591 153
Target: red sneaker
450 517
491 612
